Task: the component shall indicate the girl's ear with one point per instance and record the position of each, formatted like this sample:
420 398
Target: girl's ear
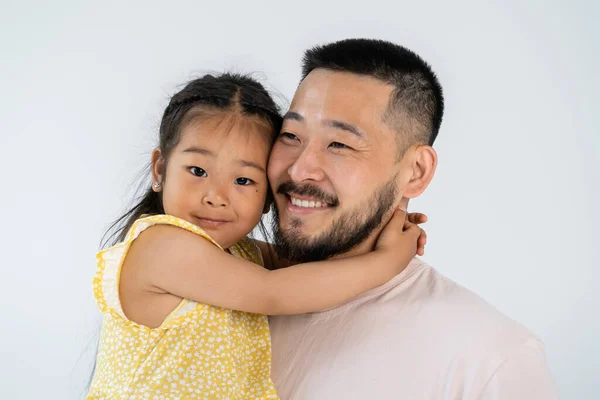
158 168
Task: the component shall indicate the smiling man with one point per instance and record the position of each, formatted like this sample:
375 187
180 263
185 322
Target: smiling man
355 143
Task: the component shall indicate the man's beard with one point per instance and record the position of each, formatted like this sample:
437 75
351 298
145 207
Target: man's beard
345 233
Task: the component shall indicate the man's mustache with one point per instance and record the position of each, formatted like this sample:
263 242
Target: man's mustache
309 190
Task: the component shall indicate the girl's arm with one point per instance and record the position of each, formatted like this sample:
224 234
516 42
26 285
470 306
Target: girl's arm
179 262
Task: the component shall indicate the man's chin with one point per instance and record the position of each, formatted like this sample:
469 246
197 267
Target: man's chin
303 228
293 233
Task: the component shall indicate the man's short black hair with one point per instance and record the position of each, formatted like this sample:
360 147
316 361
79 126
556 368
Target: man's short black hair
416 105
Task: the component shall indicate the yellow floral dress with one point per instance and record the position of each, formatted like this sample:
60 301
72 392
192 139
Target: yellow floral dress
199 352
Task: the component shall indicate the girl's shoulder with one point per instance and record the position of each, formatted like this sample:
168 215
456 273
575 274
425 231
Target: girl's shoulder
109 262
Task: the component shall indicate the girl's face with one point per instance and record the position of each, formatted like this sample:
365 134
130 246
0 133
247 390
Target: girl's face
216 175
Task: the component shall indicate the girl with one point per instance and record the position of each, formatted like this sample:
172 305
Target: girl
185 294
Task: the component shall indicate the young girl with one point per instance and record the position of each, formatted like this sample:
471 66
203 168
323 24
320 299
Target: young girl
169 289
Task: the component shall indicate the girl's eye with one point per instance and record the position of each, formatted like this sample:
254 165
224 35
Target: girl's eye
288 135
244 181
338 145
197 171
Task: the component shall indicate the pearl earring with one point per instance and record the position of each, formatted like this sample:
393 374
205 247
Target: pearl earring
156 185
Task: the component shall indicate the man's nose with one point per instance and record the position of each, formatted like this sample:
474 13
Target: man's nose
308 165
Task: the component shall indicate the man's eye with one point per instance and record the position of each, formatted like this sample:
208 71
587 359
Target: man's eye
197 171
288 135
244 181
338 145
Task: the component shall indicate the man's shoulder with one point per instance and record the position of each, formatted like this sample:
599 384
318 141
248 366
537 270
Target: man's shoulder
457 313
461 336
433 289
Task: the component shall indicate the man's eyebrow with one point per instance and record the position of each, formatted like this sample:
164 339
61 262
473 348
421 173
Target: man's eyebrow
252 165
199 151
345 127
293 116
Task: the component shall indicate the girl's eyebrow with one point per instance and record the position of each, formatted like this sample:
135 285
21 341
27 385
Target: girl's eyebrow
252 165
244 163
199 151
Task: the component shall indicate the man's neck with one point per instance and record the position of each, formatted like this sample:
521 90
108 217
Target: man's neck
365 247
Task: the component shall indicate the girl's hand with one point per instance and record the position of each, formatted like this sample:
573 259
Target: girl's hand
399 239
418 219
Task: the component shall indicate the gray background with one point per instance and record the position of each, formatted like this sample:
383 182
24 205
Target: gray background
511 211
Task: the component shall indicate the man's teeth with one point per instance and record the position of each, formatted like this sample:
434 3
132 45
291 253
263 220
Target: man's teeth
307 203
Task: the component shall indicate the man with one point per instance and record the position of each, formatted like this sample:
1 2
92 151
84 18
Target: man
355 144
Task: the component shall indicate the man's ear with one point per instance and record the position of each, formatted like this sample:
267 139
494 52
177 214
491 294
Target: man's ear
422 163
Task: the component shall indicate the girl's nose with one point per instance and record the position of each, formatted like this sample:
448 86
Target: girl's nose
215 199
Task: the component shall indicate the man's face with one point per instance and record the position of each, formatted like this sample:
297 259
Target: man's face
334 167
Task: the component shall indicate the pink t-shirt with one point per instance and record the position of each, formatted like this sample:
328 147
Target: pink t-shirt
420 336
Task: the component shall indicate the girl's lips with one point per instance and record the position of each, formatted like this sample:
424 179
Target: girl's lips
210 223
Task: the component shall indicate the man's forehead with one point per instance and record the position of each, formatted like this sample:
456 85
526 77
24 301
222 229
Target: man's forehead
332 94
